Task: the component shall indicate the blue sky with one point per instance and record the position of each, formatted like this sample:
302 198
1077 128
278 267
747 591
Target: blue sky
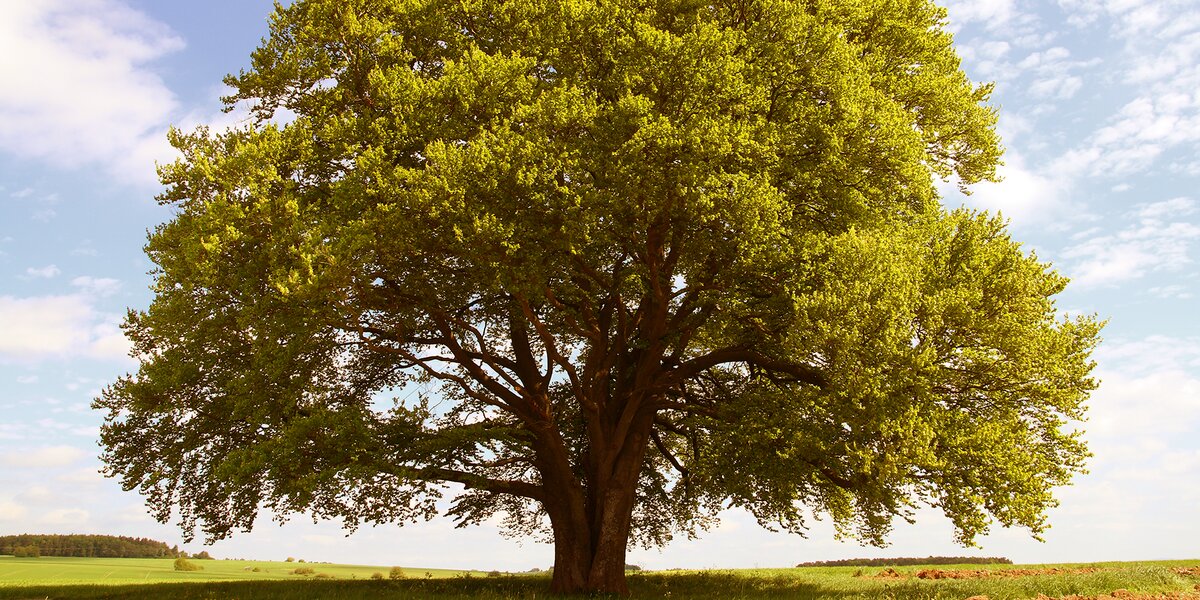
1100 112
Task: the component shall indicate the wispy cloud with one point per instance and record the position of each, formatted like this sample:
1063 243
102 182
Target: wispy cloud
97 286
1158 239
46 272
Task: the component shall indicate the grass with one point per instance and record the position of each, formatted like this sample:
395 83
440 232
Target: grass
26 572
154 578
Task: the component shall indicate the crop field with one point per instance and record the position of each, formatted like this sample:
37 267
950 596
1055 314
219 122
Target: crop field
29 578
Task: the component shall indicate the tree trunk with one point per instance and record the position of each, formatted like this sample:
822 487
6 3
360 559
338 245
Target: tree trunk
589 553
592 560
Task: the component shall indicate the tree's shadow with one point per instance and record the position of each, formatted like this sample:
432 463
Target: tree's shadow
675 586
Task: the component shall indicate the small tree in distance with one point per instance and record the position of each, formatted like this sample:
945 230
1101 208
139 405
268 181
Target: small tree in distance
183 564
655 259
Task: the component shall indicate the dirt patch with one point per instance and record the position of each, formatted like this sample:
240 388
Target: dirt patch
1187 571
1128 595
890 573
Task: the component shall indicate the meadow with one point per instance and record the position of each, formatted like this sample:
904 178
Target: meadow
77 578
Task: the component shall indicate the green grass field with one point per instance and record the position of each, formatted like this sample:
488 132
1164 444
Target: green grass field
75 578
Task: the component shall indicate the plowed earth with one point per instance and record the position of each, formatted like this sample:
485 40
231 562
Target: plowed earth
890 573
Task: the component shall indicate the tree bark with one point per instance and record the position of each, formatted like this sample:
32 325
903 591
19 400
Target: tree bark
589 553
592 560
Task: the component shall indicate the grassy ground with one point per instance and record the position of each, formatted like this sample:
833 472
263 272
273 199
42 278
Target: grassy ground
227 579
25 572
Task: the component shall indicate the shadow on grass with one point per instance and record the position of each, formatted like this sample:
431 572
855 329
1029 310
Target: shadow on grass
643 586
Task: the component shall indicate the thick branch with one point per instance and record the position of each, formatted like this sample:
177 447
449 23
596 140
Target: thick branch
799 372
472 481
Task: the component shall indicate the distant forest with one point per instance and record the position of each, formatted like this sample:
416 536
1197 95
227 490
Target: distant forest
909 561
97 546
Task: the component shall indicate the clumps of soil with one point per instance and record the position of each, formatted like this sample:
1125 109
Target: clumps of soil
1128 595
891 573
1187 571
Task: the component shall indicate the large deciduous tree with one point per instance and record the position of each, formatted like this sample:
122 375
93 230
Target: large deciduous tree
660 257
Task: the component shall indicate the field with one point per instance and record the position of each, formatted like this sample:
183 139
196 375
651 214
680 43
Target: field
155 578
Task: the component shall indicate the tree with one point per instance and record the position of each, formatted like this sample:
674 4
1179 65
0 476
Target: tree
609 266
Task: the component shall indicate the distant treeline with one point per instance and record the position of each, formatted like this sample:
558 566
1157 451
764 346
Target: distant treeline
909 561
97 546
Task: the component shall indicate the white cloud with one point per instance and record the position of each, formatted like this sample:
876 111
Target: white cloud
88 476
66 516
1156 241
44 215
46 272
1170 291
1024 195
40 327
44 457
11 511
1160 64
97 286
78 87
992 13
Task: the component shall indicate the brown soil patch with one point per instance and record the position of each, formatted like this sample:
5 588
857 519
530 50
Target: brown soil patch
1187 571
1128 595
891 573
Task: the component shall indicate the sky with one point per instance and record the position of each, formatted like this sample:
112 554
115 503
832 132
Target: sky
1099 106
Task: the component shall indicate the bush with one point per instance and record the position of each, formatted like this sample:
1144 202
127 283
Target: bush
633 568
203 555
323 576
27 552
183 564
396 574
290 559
303 571
493 573
377 576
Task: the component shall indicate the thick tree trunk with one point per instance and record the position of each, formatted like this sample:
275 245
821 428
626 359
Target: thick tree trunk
593 560
589 554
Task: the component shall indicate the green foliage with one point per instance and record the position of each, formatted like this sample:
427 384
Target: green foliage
99 546
303 571
377 576
183 564
25 552
658 260
397 573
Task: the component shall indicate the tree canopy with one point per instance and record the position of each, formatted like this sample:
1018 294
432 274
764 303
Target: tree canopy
642 260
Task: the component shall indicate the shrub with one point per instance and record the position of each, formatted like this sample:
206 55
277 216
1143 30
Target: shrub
323 576
303 571
290 559
397 573
633 568
377 576
183 564
26 552
493 573
203 555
